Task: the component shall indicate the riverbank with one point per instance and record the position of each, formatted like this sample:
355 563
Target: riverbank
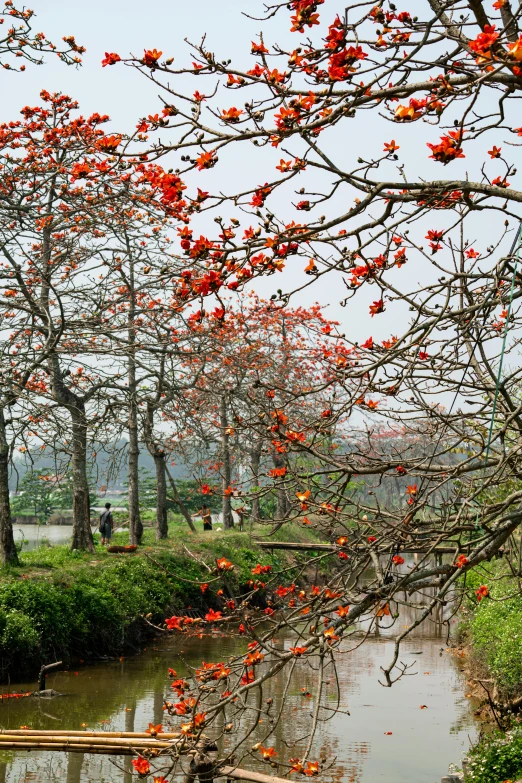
72 606
491 642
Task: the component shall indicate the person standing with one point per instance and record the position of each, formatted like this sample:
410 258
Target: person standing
205 514
106 524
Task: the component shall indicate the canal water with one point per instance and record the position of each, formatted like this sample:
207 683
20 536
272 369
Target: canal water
30 537
409 733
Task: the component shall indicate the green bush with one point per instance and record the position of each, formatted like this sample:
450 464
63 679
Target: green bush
85 613
496 635
496 759
493 627
18 636
69 606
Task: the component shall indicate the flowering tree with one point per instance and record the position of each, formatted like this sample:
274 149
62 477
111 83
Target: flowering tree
18 41
69 220
443 78
390 134
19 44
243 359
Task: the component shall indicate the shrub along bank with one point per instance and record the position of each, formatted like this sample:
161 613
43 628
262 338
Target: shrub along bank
64 605
492 631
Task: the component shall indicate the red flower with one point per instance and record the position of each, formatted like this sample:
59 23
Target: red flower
371 539
111 58
258 48
449 148
267 753
211 616
258 199
174 623
108 143
154 730
397 560
297 651
141 766
206 160
151 57
224 565
484 41
481 593
261 569
377 307
515 49
500 182
231 115
462 560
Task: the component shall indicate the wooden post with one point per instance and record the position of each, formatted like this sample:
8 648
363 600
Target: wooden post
43 671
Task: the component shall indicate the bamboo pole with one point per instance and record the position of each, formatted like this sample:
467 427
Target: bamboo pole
66 747
245 774
111 743
81 733
120 743
137 742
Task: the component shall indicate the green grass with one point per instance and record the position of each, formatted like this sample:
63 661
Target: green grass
63 604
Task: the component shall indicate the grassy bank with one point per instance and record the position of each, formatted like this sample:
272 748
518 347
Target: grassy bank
491 630
63 605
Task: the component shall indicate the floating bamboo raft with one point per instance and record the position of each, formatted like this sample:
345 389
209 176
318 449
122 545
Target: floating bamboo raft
107 742
115 743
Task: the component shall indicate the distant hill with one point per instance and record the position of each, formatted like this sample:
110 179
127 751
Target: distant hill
109 466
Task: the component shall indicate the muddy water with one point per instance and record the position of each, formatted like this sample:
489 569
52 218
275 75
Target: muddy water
126 695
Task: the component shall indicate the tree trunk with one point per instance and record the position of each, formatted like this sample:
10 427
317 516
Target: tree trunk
159 457
135 524
255 459
81 532
8 554
162 527
228 519
179 501
283 506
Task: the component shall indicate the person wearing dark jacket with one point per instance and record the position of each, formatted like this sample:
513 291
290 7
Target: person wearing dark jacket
106 524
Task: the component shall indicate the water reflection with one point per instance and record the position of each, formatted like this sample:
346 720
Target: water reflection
125 696
31 537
